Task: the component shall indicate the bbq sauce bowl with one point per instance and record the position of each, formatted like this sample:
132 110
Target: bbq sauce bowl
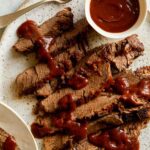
115 18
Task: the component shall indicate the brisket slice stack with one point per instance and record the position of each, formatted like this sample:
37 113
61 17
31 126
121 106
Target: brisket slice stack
95 96
7 141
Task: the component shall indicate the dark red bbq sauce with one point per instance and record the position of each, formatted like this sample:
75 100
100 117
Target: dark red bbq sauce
139 90
121 84
114 139
78 82
115 15
67 103
41 46
29 30
9 144
39 131
78 130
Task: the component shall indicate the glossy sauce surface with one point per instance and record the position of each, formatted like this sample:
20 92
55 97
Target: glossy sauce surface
115 15
78 81
28 30
9 144
115 139
39 131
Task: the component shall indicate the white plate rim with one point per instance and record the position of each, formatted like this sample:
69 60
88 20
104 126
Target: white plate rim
21 120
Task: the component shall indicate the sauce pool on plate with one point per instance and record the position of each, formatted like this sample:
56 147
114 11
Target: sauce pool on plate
115 15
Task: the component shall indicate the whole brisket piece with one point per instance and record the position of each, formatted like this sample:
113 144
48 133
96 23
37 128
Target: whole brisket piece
53 27
7 140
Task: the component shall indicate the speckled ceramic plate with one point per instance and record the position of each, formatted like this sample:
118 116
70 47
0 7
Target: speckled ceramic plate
12 63
15 126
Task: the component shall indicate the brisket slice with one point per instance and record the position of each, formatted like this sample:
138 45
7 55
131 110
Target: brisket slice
68 38
104 123
32 78
3 137
53 27
98 107
122 54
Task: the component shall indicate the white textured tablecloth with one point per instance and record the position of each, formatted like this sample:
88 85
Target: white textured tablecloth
8 6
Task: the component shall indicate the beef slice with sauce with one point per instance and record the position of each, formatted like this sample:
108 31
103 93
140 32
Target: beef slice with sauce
73 55
7 141
53 27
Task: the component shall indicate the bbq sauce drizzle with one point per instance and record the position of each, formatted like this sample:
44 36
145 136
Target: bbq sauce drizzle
9 144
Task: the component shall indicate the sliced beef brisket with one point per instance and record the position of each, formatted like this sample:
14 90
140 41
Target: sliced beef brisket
53 27
70 37
102 124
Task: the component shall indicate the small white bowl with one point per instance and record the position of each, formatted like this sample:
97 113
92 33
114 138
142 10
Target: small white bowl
139 22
